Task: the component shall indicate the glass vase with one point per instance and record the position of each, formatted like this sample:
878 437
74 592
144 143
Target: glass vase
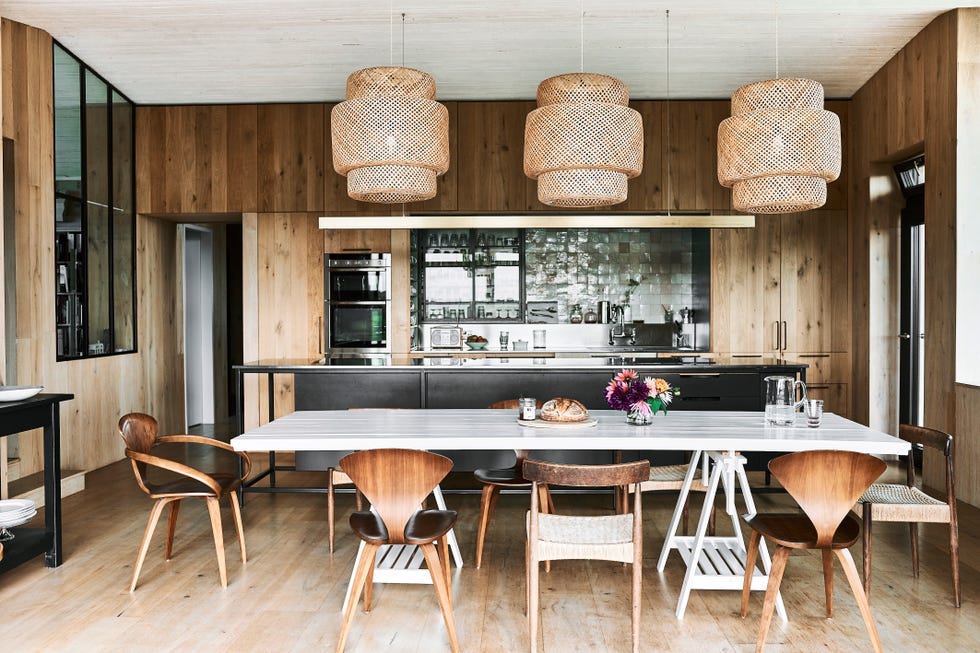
639 418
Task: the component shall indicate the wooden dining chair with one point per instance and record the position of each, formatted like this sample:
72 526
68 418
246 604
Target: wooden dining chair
395 482
617 537
825 484
897 502
496 480
139 431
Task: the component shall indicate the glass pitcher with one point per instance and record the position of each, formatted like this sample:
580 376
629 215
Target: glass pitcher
781 404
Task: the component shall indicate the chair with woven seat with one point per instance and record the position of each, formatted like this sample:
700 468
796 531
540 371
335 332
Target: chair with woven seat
496 480
618 537
897 502
825 484
139 431
395 482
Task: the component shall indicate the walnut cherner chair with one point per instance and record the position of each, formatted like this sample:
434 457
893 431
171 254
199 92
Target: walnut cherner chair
897 502
395 482
825 484
139 431
618 537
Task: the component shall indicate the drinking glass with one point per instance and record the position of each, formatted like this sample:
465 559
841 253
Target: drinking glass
814 412
504 340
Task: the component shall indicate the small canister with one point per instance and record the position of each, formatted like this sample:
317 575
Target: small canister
528 408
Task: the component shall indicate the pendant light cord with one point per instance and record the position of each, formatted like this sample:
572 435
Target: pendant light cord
775 6
391 33
581 36
668 113
403 39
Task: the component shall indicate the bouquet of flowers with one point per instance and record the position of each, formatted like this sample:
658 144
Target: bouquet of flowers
643 398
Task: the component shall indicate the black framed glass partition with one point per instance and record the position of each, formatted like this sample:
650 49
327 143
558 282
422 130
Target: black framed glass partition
95 219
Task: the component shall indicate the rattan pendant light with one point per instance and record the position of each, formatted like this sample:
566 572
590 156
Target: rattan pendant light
390 137
780 147
583 141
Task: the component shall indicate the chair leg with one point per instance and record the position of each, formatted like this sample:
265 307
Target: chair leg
866 549
214 510
847 562
637 596
357 499
364 565
751 555
171 528
442 592
532 602
828 581
954 558
236 514
772 591
914 541
330 509
444 560
487 503
545 505
369 587
151 524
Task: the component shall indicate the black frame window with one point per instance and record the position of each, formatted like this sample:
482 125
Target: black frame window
95 212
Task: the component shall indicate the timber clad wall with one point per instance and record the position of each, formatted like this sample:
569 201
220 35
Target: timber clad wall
910 106
104 388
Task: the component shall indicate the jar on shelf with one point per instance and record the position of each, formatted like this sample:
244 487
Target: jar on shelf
591 317
575 315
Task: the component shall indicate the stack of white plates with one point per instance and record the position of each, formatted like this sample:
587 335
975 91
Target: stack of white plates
14 512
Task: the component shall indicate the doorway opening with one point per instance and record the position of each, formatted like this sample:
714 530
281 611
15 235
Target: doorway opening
198 325
911 178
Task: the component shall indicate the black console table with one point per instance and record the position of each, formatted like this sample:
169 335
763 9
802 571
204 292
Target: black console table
41 411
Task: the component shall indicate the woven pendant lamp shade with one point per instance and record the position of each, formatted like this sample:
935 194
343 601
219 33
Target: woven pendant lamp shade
779 148
583 142
390 137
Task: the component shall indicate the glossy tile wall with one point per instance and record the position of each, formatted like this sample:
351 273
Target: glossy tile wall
584 266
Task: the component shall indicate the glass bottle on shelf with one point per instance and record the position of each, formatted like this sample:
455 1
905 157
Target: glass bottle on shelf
575 315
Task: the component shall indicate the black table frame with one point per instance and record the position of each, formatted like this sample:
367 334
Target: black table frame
41 411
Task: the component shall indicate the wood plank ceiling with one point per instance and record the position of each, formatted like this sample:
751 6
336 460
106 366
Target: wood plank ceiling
235 51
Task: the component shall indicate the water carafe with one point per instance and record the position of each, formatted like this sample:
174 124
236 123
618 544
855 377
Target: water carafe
781 403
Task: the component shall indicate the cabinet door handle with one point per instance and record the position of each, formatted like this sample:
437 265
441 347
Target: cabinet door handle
813 355
815 386
776 341
785 337
319 335
695 374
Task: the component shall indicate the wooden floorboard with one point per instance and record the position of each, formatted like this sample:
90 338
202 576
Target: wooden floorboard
288 596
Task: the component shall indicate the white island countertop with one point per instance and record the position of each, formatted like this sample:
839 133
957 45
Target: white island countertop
472 429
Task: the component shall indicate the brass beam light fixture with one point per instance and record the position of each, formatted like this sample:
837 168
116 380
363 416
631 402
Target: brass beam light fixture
390 137
583 141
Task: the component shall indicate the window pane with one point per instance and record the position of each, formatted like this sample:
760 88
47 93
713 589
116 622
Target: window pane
123 225
67 140
97 212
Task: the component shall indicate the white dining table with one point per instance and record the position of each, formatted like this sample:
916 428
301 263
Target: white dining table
715 562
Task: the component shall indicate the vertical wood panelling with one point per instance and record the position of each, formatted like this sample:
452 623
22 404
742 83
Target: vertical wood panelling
253 386
912 104
490 163
107 387
289 162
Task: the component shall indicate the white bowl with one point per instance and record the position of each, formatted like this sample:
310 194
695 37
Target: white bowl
18 392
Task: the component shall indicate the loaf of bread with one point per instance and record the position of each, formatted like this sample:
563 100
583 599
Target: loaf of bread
561 409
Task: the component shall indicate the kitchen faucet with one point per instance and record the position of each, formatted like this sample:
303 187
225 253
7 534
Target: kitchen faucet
618 315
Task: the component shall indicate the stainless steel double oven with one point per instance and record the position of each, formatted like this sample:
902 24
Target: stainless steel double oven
358 303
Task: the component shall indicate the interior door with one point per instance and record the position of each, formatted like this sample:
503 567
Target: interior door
911 339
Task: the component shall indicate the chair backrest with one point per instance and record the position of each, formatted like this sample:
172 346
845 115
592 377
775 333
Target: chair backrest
826 484
395 481
587 475
138 431
934 439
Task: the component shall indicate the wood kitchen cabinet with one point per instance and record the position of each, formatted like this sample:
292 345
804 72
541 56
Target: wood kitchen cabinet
781 286
490 160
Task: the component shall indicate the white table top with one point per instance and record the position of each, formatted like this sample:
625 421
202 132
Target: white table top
469 429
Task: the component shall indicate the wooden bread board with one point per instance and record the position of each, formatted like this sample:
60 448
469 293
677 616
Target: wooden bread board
544 424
